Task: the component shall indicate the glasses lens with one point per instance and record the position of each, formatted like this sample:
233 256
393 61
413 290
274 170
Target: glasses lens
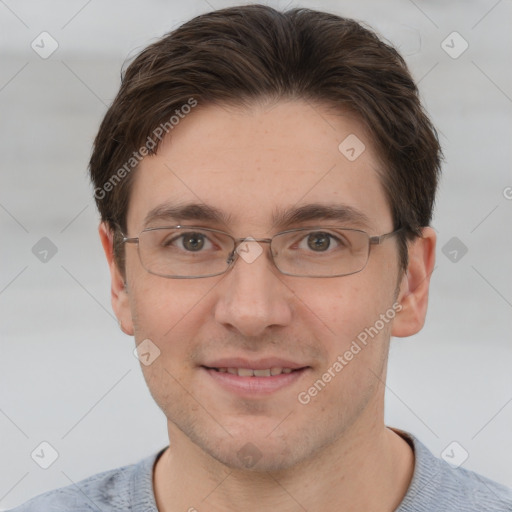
184 252
321 252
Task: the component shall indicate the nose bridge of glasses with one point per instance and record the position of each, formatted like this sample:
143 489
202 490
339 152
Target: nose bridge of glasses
248 239
247 252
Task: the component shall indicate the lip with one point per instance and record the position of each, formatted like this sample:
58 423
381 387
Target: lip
252 387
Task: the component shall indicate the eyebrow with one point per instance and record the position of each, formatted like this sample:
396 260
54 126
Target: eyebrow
186 212
282 218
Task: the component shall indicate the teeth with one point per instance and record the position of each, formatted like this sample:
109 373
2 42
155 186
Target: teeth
248 372
260 373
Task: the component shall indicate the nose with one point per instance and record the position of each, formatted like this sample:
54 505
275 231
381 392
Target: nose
253 297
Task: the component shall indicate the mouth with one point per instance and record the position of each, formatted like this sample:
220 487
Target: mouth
248 382
250 372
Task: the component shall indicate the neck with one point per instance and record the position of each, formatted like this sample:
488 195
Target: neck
365 470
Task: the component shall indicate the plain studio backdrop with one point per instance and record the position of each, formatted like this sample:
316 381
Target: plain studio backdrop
68 374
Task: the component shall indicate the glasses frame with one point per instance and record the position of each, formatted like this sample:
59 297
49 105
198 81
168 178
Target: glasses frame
233 257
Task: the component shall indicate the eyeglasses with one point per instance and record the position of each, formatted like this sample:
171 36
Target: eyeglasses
188 252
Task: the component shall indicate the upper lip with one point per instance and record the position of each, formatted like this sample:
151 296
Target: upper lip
260 364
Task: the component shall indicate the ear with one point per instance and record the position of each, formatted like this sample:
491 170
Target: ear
119 293
413 294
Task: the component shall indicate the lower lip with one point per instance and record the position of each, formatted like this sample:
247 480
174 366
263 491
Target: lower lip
255 385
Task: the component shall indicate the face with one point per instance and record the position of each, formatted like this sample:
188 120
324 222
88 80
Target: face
249 165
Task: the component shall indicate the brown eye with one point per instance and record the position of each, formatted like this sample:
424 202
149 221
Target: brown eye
319 241
187 242
193 241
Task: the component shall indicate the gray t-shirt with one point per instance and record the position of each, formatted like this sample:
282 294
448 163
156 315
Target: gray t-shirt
435 487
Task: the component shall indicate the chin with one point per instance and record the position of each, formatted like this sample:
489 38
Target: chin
256 453
250 458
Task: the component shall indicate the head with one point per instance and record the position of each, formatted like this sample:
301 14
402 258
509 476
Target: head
246 111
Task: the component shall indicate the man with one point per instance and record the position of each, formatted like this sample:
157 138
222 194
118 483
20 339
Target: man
266 183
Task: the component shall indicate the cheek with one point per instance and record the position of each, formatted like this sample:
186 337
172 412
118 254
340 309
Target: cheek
163 308
356 342
341 308
165 312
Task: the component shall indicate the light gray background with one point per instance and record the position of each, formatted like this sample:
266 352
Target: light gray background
67 373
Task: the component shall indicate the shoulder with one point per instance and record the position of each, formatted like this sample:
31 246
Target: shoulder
112 490
437 486
92 493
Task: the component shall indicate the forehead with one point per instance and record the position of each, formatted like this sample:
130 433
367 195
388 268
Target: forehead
253 165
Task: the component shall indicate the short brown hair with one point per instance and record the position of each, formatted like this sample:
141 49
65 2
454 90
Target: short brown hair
251 53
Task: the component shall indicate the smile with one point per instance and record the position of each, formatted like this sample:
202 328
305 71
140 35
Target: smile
249 372
254 382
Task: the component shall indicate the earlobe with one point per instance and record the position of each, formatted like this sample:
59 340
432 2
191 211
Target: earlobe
118 290
414 288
